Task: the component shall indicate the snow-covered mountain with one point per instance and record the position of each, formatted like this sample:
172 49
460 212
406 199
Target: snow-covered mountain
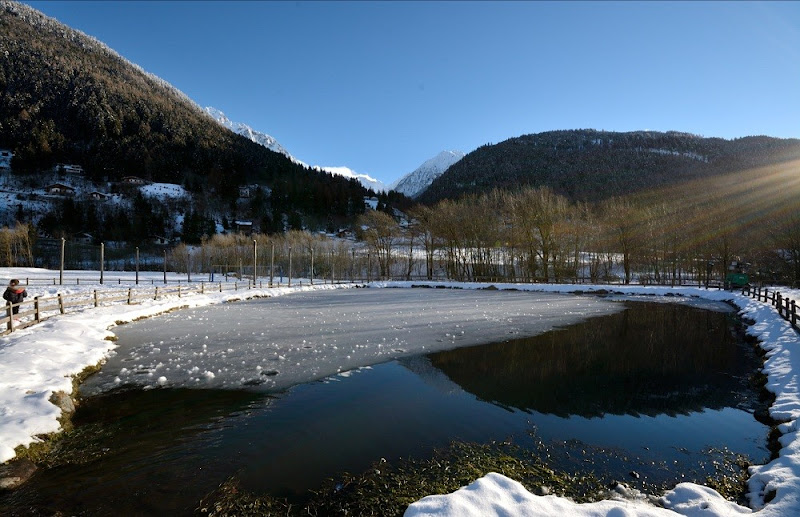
414 183
273 145
364 179
249 133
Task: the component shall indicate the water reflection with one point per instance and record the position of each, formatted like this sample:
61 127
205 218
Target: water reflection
650 359
134 452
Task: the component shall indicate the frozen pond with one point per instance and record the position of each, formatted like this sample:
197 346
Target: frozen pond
275 343
648 388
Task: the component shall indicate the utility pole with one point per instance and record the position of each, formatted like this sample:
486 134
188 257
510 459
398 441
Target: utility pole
290 266
61 271
255 262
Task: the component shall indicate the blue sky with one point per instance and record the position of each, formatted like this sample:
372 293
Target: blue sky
381 87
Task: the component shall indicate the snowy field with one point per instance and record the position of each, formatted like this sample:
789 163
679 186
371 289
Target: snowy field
38 361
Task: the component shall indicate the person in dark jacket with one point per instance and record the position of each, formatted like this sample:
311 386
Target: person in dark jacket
14 294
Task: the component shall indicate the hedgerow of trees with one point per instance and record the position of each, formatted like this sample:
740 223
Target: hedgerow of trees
535 234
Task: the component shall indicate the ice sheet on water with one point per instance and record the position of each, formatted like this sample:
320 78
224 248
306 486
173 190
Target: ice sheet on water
275 343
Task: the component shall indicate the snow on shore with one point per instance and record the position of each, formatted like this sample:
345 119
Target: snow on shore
38 361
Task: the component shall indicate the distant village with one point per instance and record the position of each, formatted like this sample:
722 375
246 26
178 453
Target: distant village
68 180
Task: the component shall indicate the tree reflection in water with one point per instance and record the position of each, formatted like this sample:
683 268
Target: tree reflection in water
653 358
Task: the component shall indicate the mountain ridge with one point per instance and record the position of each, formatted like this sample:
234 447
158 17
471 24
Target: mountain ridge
272 144
65 97
592 165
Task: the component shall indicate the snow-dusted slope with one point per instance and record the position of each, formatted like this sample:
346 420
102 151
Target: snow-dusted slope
273 145
250 133
365 179
414 183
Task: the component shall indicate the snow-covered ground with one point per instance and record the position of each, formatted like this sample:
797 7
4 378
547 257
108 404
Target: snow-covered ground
164 191
38 361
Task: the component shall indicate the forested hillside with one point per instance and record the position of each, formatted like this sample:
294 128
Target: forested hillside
589 165
65 97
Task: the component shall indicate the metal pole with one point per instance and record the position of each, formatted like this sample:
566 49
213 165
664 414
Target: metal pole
312 267
102 260
272 264
331 267
369 267
352 264
255 262
137 265
188 266
165 267
290 266
61 271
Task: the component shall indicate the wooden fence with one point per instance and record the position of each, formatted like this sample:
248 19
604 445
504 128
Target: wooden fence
786 307
40 308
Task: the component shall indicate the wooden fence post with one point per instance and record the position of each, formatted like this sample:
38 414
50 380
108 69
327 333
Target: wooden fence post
10 314
794 314
179 290
38 315
202 288
220 287
156 295
96 301
60 303
129 296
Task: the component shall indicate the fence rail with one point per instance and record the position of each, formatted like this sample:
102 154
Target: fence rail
786 307
40 308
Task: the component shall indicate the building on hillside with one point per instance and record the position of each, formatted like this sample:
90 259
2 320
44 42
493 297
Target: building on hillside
99 196
60 189
371 202
5 158
159 241
70 168
245 227
83 238
134 180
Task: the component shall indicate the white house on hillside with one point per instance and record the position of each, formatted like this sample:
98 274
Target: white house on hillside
134 180
5 158
60 189
69 168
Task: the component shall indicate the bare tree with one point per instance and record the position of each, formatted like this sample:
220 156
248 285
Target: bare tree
380 231
422 223
622 219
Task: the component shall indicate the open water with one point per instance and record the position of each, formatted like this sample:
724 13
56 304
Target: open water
640 387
